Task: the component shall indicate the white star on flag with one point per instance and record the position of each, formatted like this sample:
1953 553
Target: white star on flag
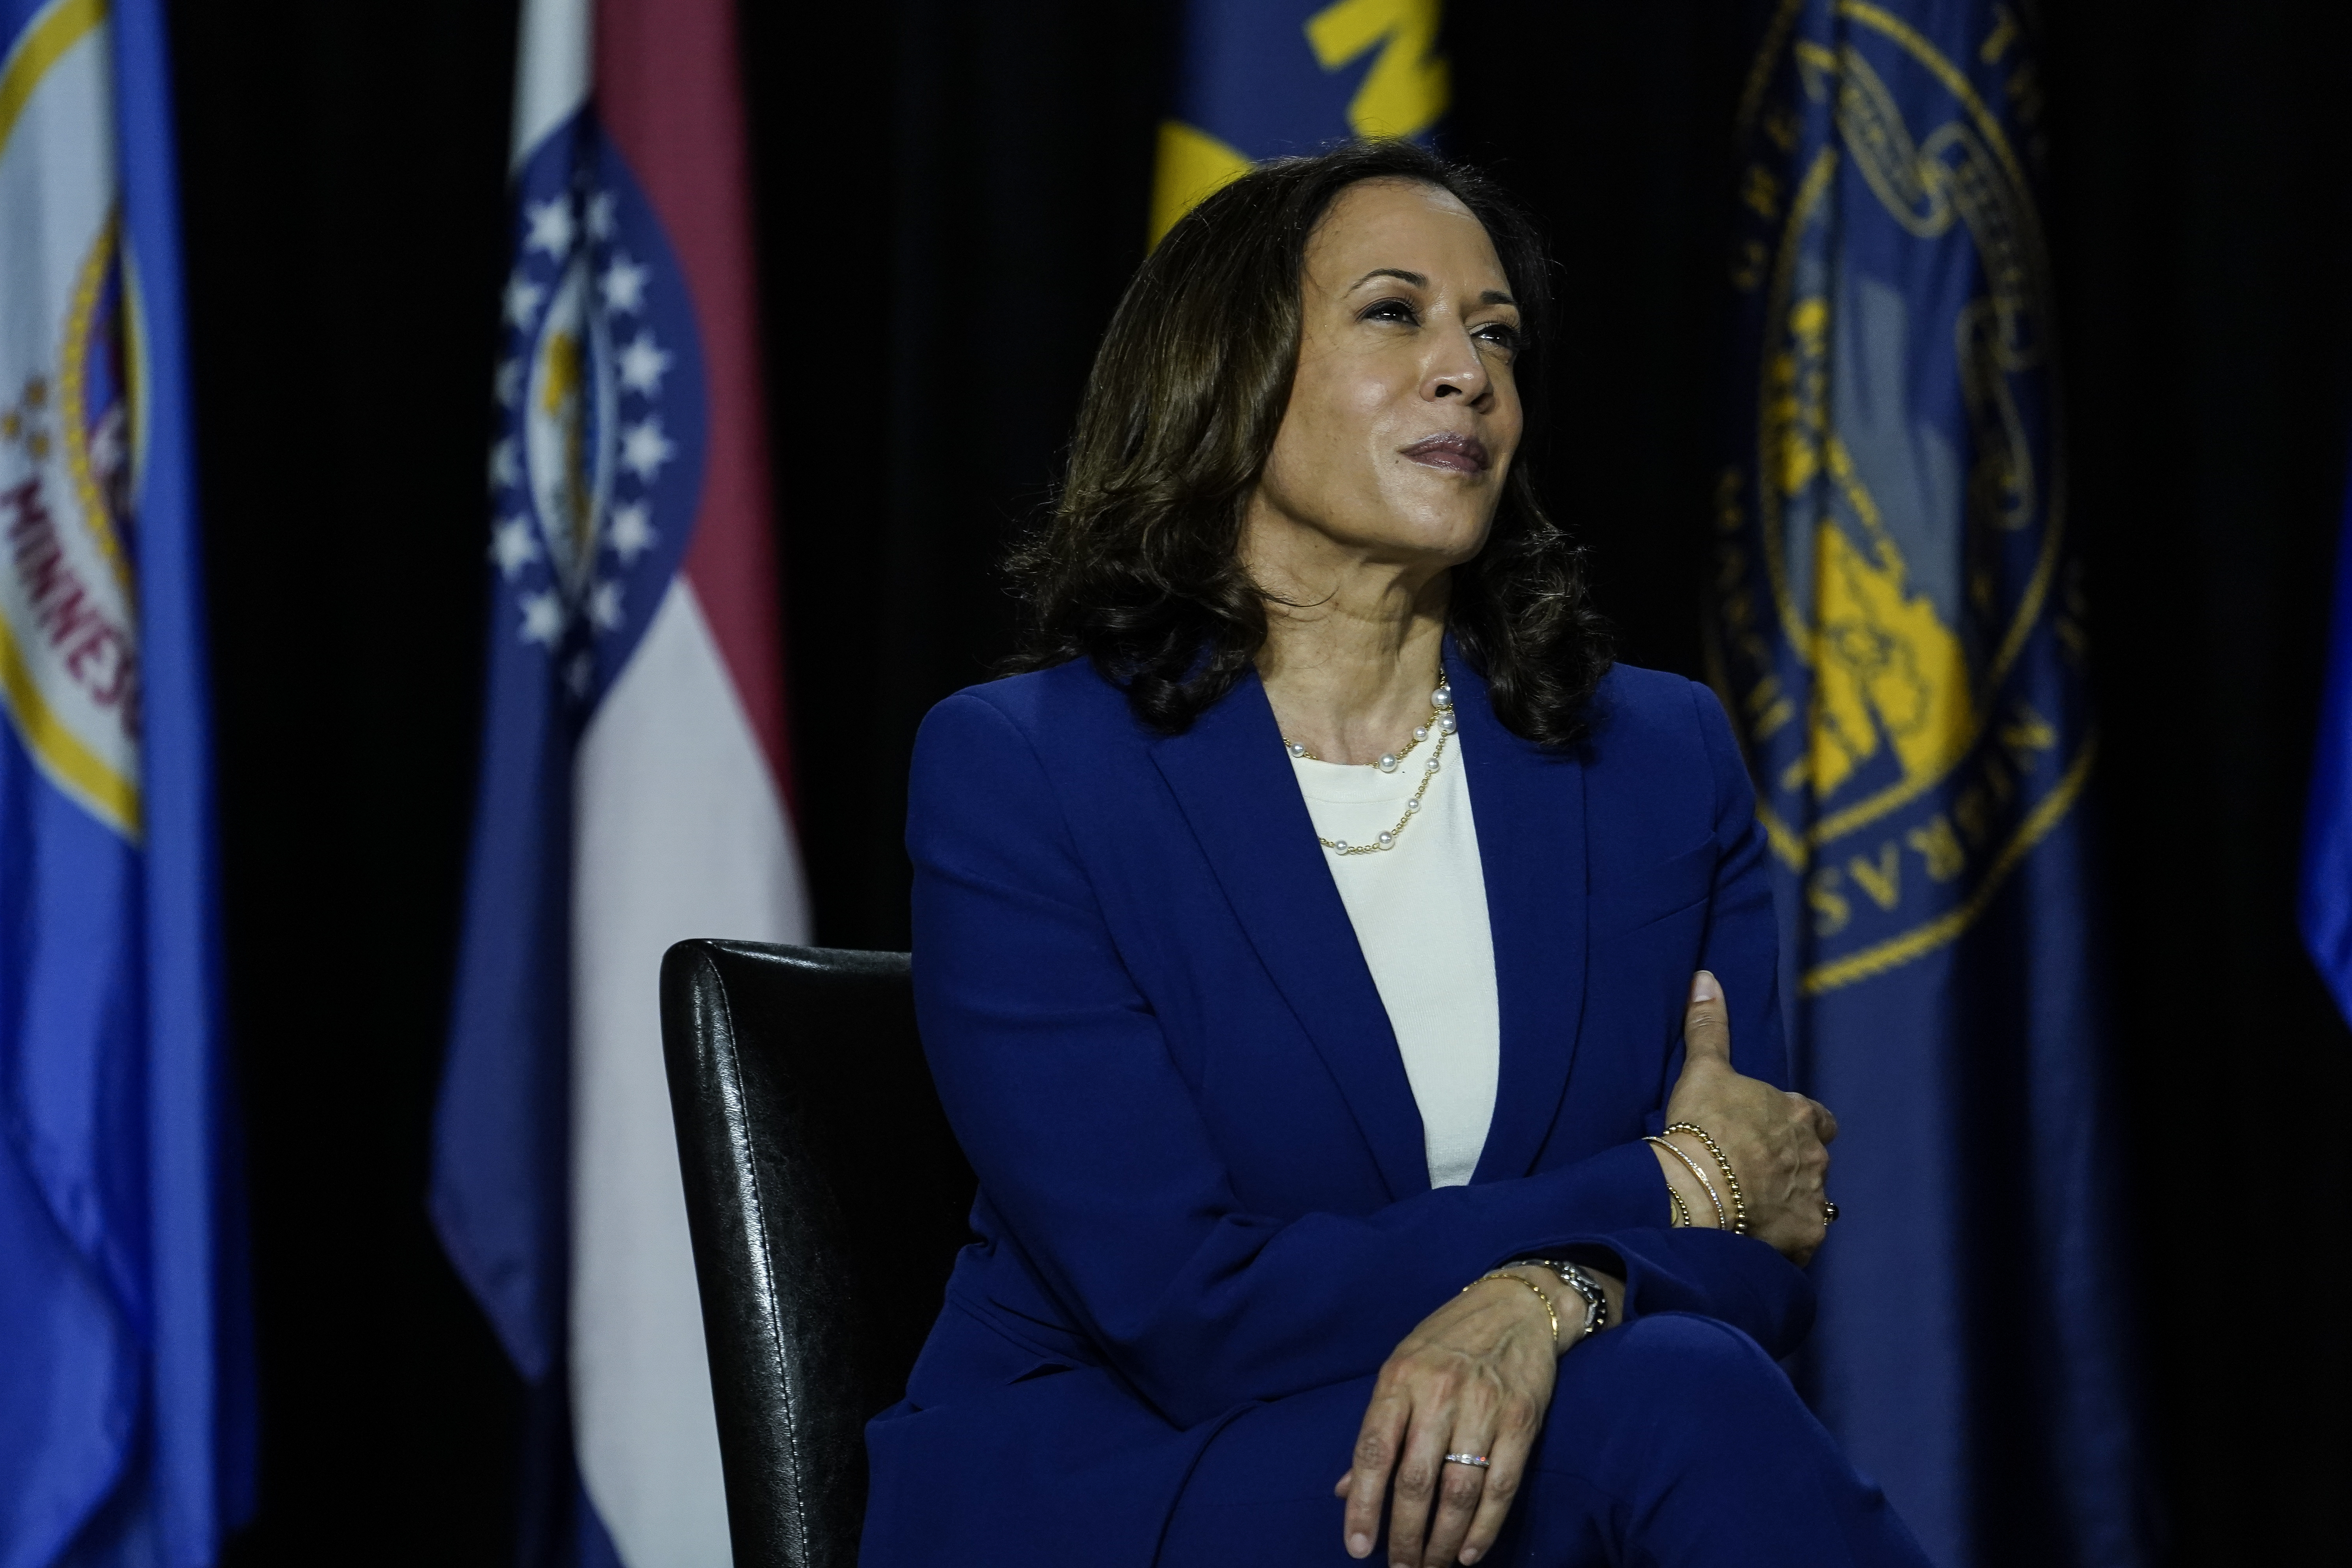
633 531
644 448
542 618
603 215
604 603
624 286
522 300
506 464
550 227
643 364
510 382
513 547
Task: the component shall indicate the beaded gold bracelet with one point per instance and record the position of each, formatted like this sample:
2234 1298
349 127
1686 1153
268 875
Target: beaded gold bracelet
1722 1220
1549 1311
1738 1204
1682 1209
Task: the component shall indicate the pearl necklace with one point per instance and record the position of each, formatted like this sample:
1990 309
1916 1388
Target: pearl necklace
1441 722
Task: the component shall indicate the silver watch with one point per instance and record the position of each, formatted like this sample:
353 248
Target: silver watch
1596 1300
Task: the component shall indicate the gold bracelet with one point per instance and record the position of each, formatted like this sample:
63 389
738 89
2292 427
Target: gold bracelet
1738 1204
1722 1220
1522 1279
1682 1209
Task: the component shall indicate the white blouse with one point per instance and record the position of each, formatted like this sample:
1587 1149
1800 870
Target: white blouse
1420 914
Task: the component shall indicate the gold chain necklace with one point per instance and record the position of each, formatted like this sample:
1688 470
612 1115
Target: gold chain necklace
1441 725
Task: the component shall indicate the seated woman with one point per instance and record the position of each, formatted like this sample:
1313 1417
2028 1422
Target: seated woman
1305 950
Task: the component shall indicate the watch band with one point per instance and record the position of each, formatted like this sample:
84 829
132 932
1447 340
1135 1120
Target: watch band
1596 1300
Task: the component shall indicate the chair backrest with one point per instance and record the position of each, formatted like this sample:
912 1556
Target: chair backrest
827 1199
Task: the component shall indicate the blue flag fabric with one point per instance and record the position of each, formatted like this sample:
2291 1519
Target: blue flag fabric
1897 630
2323 909
126 1398
1267 78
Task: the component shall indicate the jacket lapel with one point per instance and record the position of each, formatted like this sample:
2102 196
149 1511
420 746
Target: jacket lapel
1241 798
1529 807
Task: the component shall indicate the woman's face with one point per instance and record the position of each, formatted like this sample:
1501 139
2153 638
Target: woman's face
1403 416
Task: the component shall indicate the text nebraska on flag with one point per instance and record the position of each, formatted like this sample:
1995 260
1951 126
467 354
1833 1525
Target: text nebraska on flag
1899 632
631 790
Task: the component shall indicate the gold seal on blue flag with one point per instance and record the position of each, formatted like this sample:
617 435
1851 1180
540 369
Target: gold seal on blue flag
1896 625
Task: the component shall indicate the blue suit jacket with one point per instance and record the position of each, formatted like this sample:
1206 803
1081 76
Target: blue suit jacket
1201 1174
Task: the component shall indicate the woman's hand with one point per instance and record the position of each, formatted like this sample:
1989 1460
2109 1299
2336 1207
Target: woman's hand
1474 1377
1777 1141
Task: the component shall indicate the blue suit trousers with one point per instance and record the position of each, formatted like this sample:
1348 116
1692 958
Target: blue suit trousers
1672 1441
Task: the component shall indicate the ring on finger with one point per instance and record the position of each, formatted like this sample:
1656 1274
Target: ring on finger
1476 1461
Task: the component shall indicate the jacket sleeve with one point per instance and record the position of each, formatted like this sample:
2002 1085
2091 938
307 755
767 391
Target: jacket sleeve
1735 1279
1090 1149
1743 937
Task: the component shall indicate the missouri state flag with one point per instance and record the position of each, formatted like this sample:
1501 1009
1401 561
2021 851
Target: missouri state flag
126 1389
632 765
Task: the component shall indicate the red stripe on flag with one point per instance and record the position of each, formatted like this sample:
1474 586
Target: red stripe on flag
668 93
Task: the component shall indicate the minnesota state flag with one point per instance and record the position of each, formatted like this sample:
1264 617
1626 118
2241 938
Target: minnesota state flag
126 1387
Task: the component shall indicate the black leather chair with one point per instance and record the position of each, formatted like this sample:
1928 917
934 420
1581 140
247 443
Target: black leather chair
827 1199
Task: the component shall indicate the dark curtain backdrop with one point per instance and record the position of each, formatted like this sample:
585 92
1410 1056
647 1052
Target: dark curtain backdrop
950 197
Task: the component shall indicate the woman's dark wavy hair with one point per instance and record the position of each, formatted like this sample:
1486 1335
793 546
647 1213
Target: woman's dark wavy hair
1138 568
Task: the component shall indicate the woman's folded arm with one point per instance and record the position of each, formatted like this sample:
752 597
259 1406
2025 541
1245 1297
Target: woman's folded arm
1092 1149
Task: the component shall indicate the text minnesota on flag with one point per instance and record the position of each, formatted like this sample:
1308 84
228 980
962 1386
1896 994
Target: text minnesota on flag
70 425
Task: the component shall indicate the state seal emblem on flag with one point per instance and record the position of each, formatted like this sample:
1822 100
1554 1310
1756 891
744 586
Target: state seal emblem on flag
597 462
1897 635
70 424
